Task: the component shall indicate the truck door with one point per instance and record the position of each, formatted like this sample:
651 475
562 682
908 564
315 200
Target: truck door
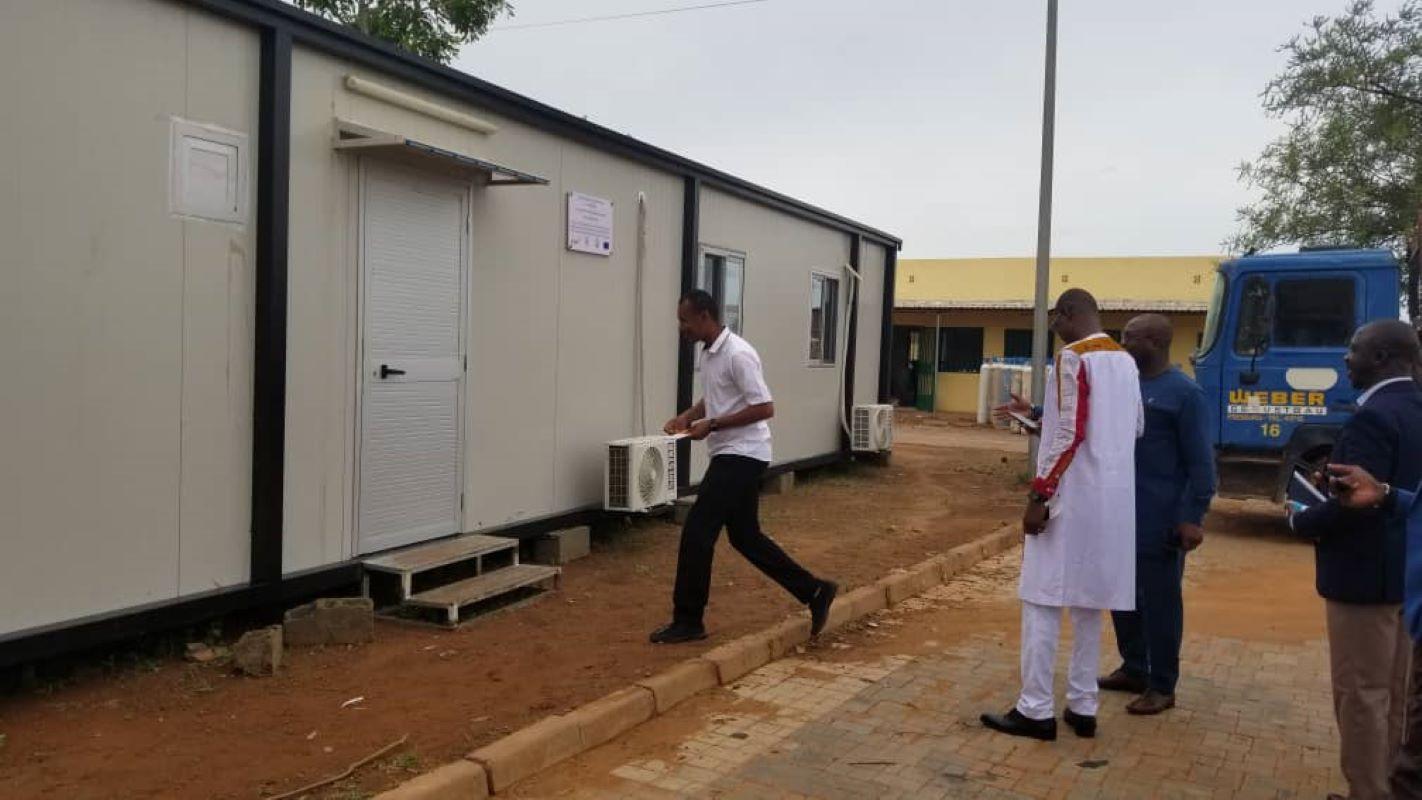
1283 366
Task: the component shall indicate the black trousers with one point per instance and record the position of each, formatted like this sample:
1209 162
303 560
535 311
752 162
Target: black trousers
1149 637
730 498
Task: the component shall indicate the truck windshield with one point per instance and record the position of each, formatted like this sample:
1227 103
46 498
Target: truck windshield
1214 318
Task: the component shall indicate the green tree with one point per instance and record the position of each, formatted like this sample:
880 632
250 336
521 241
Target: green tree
434 29
1348 169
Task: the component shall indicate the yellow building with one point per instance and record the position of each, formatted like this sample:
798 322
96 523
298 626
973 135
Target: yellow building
950 315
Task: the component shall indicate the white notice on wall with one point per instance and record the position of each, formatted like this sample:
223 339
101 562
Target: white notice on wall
589 224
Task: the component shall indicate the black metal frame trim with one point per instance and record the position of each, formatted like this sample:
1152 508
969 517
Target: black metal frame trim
686 354
541 526
851 348
813 462
886 329
799 465
35 644
269 374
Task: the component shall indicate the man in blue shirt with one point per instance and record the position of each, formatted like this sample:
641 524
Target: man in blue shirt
1175 481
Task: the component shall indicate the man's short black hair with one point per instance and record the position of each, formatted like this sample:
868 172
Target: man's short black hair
699 300
1077 302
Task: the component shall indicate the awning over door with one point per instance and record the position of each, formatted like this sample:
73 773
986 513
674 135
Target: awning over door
354 136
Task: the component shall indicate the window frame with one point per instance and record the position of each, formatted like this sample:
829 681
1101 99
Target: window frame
1213 332
1240 321
718 282
1271 311
1283 278
943 350
832 346
1006 333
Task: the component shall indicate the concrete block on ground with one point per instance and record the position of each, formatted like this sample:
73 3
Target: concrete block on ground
670 687
783 483
331 620
459 780
601 721
561 547
259 652
738 658
528 751
788 635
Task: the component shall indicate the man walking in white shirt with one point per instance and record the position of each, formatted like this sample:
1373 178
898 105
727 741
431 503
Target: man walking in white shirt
732 419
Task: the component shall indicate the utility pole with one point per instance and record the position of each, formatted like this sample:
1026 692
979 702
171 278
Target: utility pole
1044 221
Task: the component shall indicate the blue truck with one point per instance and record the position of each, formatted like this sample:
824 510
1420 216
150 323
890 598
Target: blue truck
1271 357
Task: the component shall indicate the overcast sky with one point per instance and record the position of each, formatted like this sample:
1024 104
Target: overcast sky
922 117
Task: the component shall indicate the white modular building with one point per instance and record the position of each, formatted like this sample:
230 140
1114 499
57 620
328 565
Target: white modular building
276 297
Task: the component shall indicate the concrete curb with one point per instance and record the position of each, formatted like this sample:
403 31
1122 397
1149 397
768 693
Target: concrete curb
688 678
457 780
539 746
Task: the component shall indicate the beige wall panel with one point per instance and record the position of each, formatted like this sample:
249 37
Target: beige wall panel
781 253
513 352
218 292
321 326
596 389
871 318
93 272
550 332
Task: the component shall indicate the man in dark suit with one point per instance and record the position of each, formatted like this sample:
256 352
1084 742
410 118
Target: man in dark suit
1360 557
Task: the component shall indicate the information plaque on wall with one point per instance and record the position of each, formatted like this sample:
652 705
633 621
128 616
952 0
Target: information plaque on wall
589 224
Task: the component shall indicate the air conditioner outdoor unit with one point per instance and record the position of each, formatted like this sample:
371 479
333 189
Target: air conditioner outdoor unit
873 429
641 474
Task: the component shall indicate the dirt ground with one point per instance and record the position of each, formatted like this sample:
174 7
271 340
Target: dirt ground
1251 585
173 729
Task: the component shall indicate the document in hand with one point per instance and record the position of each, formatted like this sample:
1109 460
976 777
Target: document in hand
1030 424
1303 492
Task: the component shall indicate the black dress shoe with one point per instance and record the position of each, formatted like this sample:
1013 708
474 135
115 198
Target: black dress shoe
677 633
820 606
1123 681
1014 724
1084 726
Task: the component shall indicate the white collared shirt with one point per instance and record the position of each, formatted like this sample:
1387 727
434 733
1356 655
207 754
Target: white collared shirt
1368 395
733 380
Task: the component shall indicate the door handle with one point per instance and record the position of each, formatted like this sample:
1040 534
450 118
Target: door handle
386 371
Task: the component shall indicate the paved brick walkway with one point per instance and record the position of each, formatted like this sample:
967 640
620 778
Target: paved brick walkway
888 712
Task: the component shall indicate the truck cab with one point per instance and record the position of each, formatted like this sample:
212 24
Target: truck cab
1271 357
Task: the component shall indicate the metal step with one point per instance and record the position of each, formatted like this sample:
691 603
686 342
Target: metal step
441 553
411 561
452 597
